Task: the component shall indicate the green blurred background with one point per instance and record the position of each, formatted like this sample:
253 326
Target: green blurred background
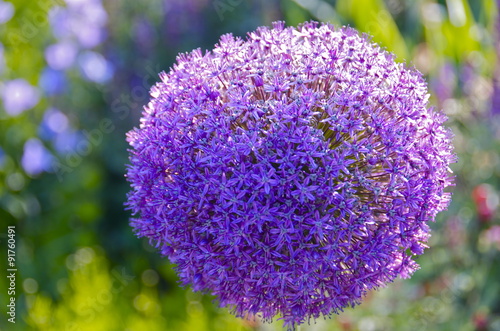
74 76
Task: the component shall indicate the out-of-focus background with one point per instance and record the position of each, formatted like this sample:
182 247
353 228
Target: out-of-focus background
74 75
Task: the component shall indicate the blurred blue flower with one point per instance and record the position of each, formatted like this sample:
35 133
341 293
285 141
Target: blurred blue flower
89 28
18 95
62 55
52 81
60 23
444 84
36 158
54 122
144 34
95 67
79 26
6 11
55 127
65 142
2 158
83 20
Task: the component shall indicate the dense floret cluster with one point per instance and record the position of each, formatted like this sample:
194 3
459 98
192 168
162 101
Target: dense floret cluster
291 172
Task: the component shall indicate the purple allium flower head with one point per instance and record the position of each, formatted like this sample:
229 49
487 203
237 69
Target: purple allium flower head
291 172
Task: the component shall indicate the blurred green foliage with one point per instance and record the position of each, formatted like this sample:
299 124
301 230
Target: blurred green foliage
81 267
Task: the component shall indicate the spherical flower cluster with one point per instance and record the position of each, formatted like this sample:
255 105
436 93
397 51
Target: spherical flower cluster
291 172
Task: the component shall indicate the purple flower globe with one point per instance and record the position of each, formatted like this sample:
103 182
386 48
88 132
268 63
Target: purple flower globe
289 173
